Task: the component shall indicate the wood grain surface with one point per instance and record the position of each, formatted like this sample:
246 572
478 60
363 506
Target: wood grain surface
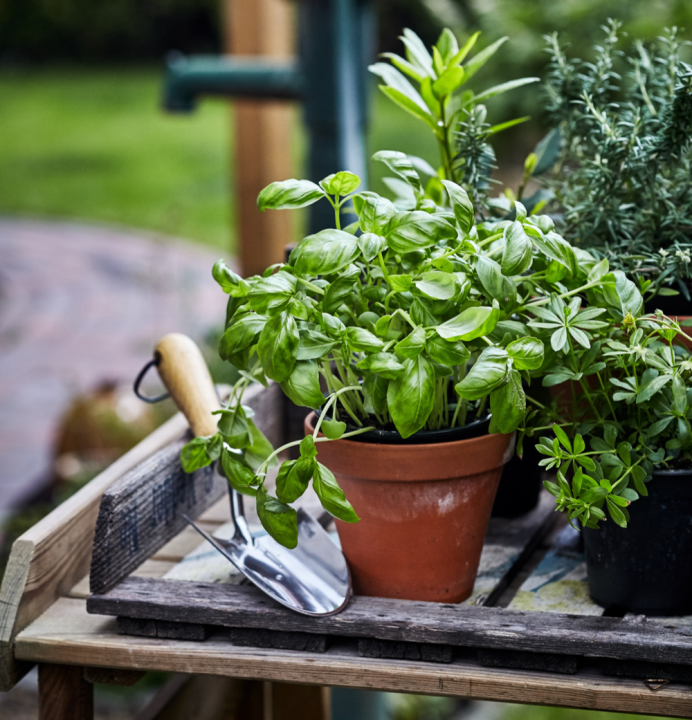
67 634
400 620
145 509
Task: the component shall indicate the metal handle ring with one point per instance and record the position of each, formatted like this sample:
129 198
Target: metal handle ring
140 377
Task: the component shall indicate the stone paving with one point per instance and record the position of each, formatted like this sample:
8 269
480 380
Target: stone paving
81 304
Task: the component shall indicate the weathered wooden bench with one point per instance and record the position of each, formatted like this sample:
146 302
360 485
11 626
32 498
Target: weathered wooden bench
529 633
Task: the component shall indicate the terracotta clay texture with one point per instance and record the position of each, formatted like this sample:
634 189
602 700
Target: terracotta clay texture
423 511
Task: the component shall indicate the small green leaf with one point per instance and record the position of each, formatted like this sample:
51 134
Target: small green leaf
324 253
278 346
341 183
508 403
447 352
497 285
272 294
487 373
259 450
561 435
278 519
362 340
437 285
371 245
461 205
231 283
307 447
303 385
526 352
333 429
412 345
518 253
331 495
289 194
194 454
472 323
293 479
240 477
411 396
416 230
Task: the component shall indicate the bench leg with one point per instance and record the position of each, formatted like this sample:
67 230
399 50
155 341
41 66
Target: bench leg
64 694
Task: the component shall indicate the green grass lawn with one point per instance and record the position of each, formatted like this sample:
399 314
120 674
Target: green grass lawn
94 144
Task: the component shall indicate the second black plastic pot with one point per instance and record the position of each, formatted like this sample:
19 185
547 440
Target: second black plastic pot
520 484
646 568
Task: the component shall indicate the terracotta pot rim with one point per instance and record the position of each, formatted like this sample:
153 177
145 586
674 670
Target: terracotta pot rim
426 462
419 446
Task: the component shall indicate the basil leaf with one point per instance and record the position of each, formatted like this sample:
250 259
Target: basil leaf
371 245
324 253
461 205
373 213
331 495
307 447
400 283
518 253
412 395
313 345
231 283
336 293
399 163
384 363
526 352
341 183
362 340
447 352
272 293
234 427
412 345
375 394
471 324
332 429
487 373
415 230
194 454
278 519
508 404
240 477
437 285
289 194
242 334
303 385
293 479
498 286
278 346
259 449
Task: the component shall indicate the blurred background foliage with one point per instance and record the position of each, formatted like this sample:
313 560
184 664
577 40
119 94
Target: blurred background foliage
80 81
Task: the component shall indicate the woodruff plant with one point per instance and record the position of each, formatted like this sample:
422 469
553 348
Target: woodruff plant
413 319
633 406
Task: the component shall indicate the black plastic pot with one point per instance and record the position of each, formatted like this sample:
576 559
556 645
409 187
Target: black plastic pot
520 484
646 568
392 437
671 305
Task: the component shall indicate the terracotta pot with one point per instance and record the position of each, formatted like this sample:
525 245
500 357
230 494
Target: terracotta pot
423 511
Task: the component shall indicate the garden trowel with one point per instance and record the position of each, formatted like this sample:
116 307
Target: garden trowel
312 579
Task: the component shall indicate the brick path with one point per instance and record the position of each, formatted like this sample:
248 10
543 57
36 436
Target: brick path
78 305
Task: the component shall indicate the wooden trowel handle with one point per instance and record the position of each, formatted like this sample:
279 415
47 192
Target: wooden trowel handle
186 376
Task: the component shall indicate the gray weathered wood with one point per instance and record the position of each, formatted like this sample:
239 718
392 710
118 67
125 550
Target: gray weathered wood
144 510
396 650
543 662
401 620
251 637
161 629
141 512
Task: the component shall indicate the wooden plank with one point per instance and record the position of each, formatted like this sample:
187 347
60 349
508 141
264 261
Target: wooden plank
67 634
558 584
400 620
64 693
262 132
145 509
47 560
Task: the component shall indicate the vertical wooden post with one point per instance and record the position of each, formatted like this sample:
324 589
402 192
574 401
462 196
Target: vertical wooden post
64 693
262 131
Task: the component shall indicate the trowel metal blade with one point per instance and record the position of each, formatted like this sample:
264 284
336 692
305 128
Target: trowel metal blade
312 579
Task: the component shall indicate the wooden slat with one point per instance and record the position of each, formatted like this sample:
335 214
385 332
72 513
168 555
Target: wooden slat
66 634
47 560
145 509
400 620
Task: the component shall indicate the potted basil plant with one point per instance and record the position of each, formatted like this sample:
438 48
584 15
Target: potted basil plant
410 341
623 453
